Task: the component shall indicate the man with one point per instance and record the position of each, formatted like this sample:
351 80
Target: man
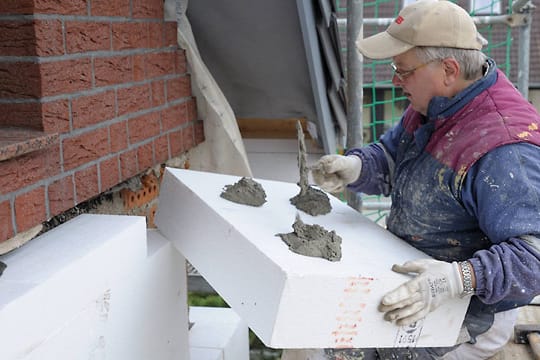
463 170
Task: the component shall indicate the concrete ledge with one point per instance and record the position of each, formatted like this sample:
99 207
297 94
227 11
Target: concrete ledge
217 333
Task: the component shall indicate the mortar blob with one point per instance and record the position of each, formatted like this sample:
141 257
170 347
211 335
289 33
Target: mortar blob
313 240
245 191
310 200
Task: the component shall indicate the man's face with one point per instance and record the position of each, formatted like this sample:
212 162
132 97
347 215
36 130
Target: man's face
420 81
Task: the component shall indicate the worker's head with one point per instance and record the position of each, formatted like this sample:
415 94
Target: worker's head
433 23
435 48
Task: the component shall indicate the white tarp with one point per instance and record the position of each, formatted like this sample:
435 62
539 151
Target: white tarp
223 150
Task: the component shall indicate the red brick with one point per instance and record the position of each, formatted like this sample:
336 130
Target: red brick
86 184
199 132
139 72
119 136
82 36
86 147
21 114
188 138
110 8
128 164
161 149
170 36
30 209
155 35
17 38
20 80
159 64
149 9
180 62
6 221
61 195
61 7
16 7
109 173
55 115
64 77
129 35
49 37
143 127
175 142
145 156
133 99
28 169
93 109
113 70
191 106
10 178
173 116
178 88
158 93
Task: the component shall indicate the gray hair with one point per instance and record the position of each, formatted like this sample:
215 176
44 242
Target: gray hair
471 62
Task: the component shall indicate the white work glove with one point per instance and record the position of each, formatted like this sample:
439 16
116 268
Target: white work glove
334 172
436 282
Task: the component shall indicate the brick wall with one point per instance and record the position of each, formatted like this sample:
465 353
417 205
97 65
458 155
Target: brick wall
108 79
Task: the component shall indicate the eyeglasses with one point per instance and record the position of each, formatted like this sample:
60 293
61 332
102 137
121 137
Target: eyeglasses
402 75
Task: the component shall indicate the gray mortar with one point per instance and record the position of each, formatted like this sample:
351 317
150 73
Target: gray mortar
313 240
246 191
310 200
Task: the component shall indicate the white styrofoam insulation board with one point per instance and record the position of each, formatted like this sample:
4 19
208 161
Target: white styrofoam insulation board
218 329
91 288
290 300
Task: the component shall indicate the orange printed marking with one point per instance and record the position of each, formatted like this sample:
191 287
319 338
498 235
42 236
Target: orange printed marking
344 340
347 326
348 318
350 311
343 333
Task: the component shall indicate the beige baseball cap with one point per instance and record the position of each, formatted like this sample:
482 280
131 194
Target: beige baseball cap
438 23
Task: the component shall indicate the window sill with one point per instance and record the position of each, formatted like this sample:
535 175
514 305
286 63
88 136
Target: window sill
16 141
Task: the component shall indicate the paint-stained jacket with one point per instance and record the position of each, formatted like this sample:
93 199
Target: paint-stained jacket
465 185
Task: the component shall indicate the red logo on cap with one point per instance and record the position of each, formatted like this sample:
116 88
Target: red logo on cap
399 20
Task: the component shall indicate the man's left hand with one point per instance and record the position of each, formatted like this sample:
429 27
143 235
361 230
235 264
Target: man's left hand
435 282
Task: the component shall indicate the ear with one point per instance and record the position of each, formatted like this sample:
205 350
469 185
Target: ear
452 71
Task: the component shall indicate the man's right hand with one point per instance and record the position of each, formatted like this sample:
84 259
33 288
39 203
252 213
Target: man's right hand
334 172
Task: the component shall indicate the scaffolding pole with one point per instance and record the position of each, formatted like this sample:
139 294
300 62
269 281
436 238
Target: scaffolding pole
355 95
524 7
354 75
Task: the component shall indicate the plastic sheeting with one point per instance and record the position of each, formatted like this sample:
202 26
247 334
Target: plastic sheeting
223 150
